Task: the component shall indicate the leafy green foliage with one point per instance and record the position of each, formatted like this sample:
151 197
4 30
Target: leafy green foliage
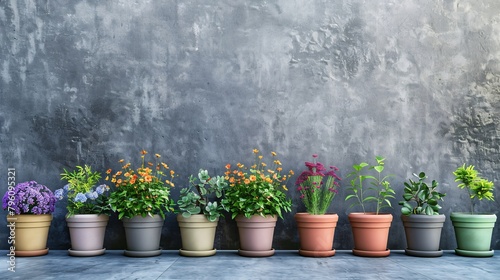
478 187
195 199
84 197
379 191
426 197
257 190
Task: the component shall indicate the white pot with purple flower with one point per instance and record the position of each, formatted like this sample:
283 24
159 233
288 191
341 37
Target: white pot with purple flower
88 210
30 206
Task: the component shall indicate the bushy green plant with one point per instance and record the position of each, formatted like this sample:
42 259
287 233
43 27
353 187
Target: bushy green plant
257 190
143 191
195 199
380 188
426 197
477 187
83 194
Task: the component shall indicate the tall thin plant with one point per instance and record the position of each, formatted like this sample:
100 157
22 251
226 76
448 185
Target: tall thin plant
380 186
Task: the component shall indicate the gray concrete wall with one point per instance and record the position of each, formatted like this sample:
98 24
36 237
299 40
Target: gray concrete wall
204 82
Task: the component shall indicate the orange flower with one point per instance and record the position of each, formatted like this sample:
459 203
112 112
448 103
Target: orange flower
121 160
143 152
126 174
291 172
158 155
279 169
253 178
150 163
247 181
148 178
107 178
255 151
228 166
264 164
164 165
119 181
231 180
240 174
260 157
269 180
108 171
172 173
273 154
118 173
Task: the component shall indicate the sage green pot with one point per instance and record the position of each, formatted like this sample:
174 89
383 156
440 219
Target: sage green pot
473 233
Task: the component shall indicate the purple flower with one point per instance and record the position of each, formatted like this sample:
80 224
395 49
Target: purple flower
30 198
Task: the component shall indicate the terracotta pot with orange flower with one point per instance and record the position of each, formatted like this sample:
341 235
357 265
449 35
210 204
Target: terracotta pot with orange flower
317 187
141 199
256 198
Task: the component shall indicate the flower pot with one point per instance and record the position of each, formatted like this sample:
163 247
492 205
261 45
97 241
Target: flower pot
316 234
370 233
198 236
423 234
87 234
31 232
256 235
473 233
143 236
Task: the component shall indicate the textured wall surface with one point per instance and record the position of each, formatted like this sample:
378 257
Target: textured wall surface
205 82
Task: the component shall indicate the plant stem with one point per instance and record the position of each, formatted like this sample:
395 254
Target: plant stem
361 192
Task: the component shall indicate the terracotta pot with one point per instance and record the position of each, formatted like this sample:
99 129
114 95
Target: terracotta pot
423 234
32 232
473 233
370 233
316 234
87 234
143 235
256 235
198 235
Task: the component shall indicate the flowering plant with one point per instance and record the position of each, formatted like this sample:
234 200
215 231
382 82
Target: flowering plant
29 198
84 197
195 199
257 190
477 187
316 194
142 191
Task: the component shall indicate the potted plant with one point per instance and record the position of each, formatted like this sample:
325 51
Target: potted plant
141 199
30 206
370 229
473 231
255 198
88 210
421 218
199 214
316 228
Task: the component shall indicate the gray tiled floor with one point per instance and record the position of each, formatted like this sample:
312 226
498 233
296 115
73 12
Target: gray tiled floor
229 265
